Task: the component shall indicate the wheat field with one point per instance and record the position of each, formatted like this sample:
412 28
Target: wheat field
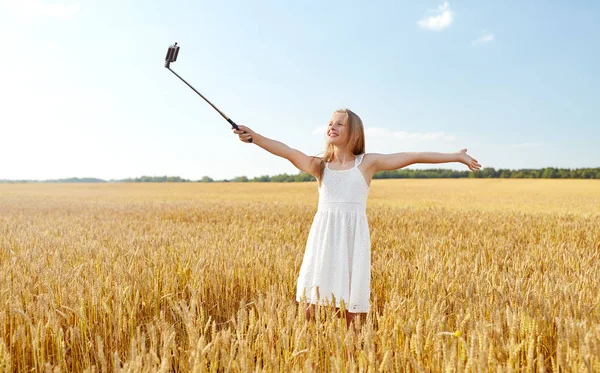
468 275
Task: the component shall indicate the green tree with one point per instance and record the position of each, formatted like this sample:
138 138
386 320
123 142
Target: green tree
262 179
549 173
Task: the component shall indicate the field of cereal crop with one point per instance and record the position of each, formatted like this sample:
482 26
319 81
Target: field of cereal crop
467 275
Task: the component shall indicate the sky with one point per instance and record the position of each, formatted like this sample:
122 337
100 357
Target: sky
84 91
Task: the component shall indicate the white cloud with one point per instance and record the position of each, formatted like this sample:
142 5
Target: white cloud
524 145
319 130
529 145
385 140
38 8
410 136
441 20
485 37
377 132
425 136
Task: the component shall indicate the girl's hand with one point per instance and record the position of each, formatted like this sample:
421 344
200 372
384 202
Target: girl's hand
468 160
245 136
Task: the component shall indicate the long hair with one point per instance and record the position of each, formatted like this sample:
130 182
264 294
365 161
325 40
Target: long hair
356 140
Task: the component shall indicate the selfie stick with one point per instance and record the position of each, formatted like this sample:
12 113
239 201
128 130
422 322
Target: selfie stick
172 57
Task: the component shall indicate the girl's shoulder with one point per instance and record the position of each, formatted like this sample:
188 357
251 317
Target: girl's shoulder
368 159
316 159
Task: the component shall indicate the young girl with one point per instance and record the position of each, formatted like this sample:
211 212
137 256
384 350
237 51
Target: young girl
337 260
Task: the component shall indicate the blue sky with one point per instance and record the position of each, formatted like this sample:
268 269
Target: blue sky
85 93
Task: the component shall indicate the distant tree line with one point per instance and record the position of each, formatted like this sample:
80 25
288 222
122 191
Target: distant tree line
143 179
281 178
544 173
154 179
485 173
67 180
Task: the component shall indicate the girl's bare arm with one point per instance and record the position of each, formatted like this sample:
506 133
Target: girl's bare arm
302 161
385 162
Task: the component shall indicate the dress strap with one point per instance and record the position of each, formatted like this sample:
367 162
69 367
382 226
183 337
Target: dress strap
358 160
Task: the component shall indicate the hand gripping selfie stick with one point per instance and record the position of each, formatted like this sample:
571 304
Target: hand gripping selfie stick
172 57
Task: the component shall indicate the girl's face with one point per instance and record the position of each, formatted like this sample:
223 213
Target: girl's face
337 130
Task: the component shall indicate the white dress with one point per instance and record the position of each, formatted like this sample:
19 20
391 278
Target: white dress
337 260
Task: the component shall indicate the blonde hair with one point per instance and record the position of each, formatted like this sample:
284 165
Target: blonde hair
356 140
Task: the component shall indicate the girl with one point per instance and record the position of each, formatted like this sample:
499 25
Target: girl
337 260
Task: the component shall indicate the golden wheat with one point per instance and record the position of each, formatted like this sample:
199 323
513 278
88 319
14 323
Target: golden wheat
467 276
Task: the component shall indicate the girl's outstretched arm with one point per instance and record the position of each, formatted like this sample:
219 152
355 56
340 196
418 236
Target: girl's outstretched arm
302 161
385 162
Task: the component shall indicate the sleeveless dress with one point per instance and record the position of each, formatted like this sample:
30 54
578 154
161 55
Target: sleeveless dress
337 260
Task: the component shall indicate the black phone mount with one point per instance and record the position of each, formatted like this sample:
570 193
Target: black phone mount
172 53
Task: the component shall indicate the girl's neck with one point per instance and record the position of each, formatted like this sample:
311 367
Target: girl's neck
343 156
